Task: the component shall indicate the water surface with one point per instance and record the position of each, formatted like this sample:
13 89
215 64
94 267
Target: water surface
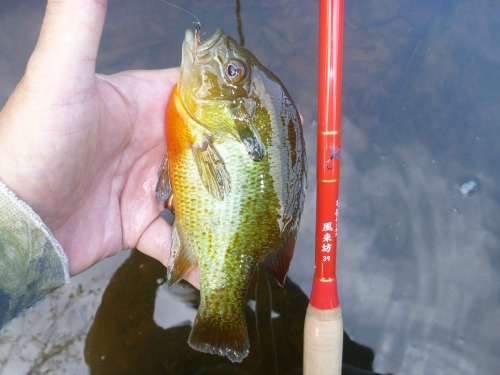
419 252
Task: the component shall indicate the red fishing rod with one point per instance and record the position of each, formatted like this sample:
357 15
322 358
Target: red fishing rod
323 330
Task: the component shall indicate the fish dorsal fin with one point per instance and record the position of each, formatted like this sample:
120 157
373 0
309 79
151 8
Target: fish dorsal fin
163 188
279 262
181 260
211 168
247 133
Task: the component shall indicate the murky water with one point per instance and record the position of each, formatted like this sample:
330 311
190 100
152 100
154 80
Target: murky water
419 252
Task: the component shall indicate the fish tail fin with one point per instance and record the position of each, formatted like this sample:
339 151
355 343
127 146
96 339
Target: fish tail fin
223 337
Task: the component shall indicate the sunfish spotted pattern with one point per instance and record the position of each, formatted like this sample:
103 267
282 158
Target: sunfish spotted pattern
235 172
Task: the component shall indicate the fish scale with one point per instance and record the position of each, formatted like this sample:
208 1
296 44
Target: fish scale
236 167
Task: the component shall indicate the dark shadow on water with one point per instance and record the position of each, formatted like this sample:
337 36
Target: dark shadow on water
124 338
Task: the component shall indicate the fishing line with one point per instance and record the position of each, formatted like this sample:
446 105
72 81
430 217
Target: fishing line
197 27
197 23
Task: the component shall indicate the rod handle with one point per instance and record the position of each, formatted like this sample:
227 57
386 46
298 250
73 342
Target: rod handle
323 336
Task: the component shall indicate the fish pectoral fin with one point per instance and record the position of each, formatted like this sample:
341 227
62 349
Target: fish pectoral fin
251 140
181 260
163 188
211 168
279 262
247 133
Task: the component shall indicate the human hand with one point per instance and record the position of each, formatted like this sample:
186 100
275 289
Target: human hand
83 149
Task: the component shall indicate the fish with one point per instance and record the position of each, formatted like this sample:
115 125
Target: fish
235 174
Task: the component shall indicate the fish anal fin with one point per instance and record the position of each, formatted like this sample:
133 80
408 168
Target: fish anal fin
279 262
181 260
227 338
211 168
163 188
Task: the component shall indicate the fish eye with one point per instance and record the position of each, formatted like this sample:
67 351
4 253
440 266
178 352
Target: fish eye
235 71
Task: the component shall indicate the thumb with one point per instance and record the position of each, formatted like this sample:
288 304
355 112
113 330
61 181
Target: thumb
69 41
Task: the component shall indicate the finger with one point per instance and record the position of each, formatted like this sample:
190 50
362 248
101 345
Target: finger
69 41
193 277
155 241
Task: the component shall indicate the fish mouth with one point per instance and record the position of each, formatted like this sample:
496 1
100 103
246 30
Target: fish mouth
188 48
212 41
192 49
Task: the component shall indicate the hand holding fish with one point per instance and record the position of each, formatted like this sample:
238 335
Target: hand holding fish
83 149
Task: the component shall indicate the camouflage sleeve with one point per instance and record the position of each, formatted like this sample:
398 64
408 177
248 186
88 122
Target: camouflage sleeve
32 263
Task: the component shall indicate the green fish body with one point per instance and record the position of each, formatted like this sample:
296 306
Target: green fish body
235 169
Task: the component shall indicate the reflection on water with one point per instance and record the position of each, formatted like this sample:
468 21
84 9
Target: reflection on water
124 337
132 342
419 261
422 122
